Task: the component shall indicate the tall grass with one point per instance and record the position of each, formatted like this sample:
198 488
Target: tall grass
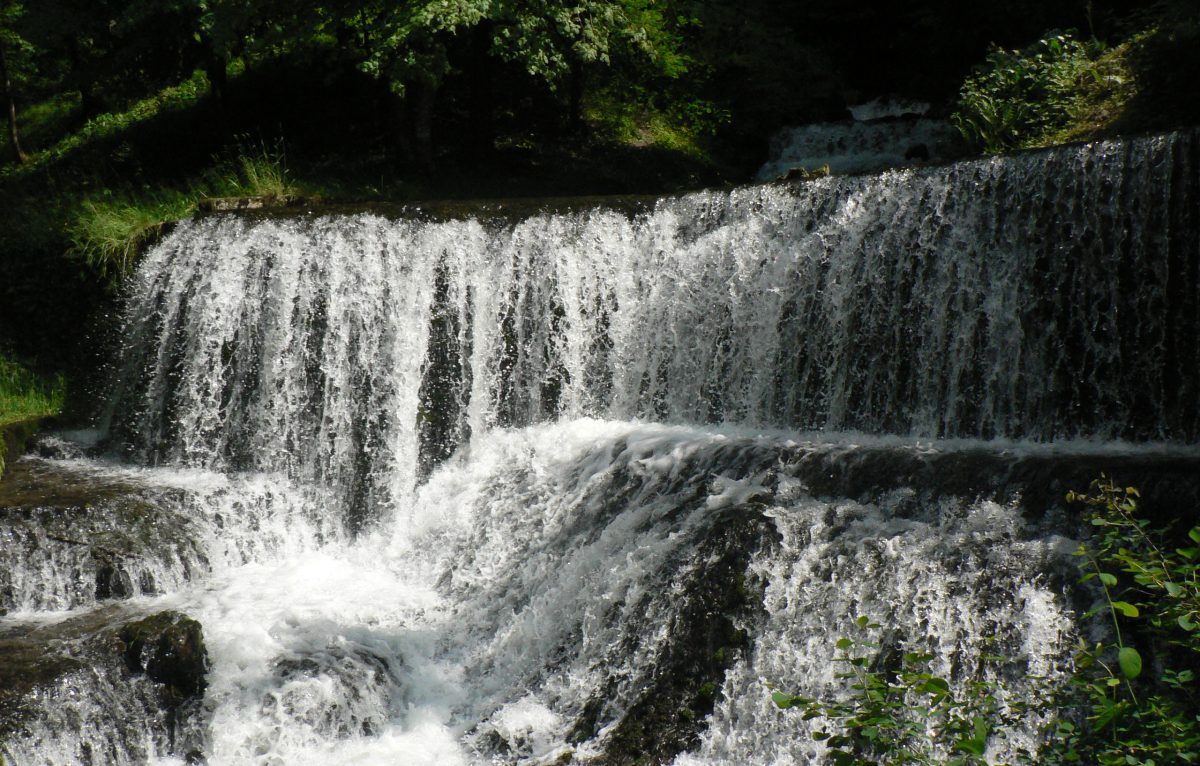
261 173
110 232
25 395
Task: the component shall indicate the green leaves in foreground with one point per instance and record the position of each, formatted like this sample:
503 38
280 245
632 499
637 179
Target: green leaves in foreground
1117 709
1151 593
1130 662
907 716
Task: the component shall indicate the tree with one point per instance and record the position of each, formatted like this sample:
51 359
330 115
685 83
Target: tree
406 45
10 12
559 40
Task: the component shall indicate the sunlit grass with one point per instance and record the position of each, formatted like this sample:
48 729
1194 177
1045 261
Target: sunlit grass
43 123
24 395
110 232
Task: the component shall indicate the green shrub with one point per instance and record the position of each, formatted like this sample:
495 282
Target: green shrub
908 715
1137 713
1017 97
1117 709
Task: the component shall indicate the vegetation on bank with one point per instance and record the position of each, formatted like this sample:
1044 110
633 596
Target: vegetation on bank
24 396
1068 87
1130 700
109 232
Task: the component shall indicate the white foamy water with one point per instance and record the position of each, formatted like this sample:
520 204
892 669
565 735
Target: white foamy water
497 492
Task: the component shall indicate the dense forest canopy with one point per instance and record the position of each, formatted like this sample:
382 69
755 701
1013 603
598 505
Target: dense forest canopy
472 67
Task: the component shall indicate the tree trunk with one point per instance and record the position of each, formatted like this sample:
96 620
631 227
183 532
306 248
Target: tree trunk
216 67
423 95
482 133
575 123
11 108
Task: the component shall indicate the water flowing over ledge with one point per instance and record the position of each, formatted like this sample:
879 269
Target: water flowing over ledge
575 488
1044 296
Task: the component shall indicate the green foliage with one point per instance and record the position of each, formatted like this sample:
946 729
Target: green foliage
111 124
25 395
111 231
1018 97
1118 708
909 715
1151 593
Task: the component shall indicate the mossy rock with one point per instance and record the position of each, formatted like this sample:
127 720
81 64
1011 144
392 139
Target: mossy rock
13 438
25 668
169 648
55 671
668 716
103 537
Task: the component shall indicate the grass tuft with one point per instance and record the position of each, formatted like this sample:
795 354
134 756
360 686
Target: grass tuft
25 395
110 232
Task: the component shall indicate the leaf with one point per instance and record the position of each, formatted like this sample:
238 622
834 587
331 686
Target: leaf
1185 622
1173 589
1126 608
1130 662
1188 553
1195 534
783 700
1108 579
973 745
844 643
935 687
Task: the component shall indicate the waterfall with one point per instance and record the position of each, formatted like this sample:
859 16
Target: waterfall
578 487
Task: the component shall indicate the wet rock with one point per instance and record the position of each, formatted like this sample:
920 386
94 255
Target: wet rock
917 152
668 715
72 537
338 691
105 687
230 204
25 668
169 648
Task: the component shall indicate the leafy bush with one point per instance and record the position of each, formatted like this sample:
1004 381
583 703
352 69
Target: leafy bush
1118 709
1017 97
1152 590
910 716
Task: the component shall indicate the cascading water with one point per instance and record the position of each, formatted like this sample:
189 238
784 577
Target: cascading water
578 487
